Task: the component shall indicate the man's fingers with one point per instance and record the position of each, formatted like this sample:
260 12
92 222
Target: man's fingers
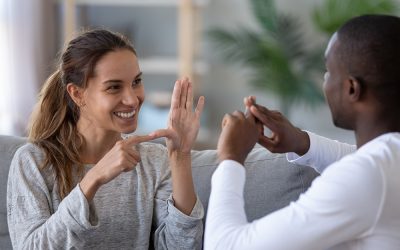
266 142
249 100
238 114
250 117
226 119
247 106
263 109
263 117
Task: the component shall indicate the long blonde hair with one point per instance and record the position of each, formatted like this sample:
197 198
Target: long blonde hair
53 122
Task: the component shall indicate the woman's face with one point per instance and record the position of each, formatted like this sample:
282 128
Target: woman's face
114 94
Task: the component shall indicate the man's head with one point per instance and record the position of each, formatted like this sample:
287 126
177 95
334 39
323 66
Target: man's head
363 70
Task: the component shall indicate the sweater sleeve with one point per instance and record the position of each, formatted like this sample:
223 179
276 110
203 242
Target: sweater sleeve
322 153
32 221
174 229
342 204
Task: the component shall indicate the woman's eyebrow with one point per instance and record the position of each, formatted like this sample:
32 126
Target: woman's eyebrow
120 81
139 75
112 81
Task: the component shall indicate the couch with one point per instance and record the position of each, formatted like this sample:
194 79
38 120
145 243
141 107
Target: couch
271 183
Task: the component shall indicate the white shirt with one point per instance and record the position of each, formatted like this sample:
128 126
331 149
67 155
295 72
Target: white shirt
354 204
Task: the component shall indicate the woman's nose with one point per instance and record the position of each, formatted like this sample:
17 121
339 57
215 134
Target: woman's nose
130 97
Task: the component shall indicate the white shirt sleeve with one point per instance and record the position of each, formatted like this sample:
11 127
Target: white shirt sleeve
322 153
335 209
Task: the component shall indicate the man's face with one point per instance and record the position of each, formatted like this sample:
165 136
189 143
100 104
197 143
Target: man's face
334 79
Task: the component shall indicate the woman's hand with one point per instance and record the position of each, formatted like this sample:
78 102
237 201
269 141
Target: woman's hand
123 157
183 123
183 126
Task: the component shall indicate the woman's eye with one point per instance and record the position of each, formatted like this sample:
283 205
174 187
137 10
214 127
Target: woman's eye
113 87
137 81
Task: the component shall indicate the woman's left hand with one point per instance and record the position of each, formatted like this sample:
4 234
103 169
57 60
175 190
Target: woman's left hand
183 123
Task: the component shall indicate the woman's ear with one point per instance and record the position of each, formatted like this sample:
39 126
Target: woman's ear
76 94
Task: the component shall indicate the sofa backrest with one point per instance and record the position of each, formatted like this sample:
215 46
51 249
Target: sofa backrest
271 183
8 146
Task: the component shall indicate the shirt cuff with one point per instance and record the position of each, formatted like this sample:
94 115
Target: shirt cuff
196 214
305 159
77 212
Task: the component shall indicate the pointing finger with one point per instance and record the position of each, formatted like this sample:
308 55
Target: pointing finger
162 133
135 139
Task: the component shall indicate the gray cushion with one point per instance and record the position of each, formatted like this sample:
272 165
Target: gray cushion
8 146
271 182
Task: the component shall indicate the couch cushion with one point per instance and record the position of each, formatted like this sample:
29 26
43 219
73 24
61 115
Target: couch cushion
271 181
8 146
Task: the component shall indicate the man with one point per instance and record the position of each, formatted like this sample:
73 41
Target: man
355 203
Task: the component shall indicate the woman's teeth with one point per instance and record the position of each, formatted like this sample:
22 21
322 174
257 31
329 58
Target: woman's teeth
125 115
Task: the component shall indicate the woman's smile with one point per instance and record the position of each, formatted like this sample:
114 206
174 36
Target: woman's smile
125 114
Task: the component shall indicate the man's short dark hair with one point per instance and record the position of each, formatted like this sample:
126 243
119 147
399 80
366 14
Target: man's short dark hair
369 49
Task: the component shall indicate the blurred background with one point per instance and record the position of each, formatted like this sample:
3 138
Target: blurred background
229 48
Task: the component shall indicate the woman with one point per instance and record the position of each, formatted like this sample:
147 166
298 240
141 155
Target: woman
78 185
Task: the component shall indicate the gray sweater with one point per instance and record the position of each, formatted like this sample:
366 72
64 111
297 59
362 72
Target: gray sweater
133 211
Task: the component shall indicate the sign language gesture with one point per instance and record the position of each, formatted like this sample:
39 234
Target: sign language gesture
183 126
122 157
184 123
285 137
239 135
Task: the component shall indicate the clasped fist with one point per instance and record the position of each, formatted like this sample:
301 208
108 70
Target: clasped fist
239 135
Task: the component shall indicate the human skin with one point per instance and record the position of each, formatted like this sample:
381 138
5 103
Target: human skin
109 106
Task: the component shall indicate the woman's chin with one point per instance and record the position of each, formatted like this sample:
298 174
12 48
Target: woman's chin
128 131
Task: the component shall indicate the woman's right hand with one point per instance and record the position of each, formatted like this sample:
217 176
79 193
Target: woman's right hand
123 157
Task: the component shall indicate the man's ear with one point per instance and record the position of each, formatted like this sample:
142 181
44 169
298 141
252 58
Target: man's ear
353 88
76 94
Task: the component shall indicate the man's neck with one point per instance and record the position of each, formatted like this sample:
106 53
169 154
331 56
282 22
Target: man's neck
368 130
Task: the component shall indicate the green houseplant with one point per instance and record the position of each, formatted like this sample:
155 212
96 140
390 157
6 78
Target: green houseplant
331 14
274 54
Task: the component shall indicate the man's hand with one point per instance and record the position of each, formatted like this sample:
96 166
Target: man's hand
239 135
285 137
